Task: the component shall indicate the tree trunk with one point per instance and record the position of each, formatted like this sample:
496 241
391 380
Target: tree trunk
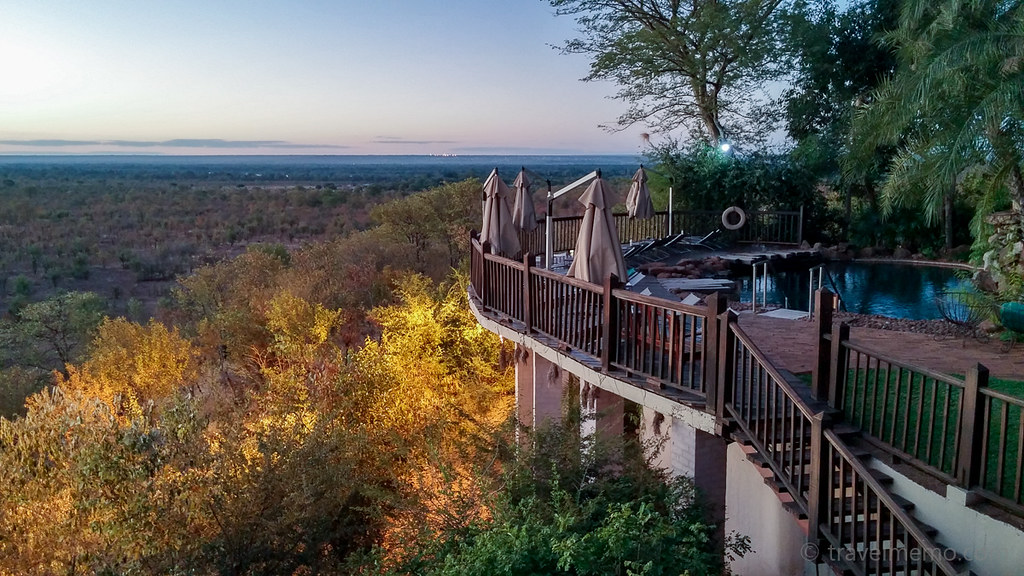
947 213
847 212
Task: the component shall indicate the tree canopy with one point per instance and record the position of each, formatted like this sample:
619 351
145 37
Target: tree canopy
701 65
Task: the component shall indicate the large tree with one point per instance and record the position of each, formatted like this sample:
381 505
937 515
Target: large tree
701 65
838 66
956 101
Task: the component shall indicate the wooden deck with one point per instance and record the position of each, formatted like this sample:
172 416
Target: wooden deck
701 351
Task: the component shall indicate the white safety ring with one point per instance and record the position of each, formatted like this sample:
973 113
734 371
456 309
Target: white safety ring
734 225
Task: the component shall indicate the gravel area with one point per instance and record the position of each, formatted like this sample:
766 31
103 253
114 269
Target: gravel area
933 327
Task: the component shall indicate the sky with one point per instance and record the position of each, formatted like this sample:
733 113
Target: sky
298 77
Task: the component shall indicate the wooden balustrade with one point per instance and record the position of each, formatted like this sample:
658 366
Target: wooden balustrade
567 309
666 341
859 525
958 430
912 412
774 415
769 227
997 470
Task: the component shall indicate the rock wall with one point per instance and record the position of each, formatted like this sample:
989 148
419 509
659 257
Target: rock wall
1004 260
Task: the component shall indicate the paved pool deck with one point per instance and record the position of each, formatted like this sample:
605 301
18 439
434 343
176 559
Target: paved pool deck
790 343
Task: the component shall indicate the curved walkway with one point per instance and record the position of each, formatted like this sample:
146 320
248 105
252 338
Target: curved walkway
791 345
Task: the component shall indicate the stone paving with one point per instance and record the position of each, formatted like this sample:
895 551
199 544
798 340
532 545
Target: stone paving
791 345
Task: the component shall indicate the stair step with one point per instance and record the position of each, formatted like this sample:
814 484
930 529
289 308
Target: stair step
846 511
872 529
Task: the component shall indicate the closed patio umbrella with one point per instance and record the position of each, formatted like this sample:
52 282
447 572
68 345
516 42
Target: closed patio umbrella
497 227
598 252
523 214
638 200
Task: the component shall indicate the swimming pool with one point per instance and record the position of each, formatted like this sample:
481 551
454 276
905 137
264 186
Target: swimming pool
897 290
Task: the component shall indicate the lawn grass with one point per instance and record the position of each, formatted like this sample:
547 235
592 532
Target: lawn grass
919 416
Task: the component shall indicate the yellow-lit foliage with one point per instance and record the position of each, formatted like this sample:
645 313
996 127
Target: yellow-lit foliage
300 330
433 364
131 364
82 493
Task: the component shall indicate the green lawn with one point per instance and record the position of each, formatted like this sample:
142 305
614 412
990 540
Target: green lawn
919 415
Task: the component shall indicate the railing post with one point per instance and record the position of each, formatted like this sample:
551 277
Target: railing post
726 363
819 489
972 423
823 302
527 297
800 227
610 324
838 370
712 333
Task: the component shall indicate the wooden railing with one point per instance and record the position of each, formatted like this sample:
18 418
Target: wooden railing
858 524
854 523
994 466
959 430
769 227
666 342
912 412
774 415
956 429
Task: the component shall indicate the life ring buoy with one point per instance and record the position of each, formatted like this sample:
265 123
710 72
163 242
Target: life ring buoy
734 225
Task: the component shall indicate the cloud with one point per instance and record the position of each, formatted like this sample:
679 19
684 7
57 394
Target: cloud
176 143
47 143
399 140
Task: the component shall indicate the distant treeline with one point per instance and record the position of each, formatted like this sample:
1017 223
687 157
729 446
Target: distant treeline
396 172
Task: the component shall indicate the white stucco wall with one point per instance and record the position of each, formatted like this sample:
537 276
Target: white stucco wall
753 509
992 546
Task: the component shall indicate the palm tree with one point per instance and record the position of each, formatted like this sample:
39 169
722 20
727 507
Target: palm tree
956 102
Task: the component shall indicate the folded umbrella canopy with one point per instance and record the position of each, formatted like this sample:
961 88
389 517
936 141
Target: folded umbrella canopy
638 200
523 214
498 228
598 252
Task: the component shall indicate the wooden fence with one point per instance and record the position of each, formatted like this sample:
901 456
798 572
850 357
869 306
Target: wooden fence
667 342
956 429
768 227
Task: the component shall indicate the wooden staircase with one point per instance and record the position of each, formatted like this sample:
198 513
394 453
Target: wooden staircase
862 527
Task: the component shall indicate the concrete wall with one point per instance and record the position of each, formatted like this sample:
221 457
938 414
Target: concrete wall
992 546
753 509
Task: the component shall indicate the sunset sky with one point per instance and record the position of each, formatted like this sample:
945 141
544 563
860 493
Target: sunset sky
298 77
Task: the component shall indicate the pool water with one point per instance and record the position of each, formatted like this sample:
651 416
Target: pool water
882 288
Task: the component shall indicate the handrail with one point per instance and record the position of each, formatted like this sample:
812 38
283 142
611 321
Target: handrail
653 301
869 554
786 230
801 396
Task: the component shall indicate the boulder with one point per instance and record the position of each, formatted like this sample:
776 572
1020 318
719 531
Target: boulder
866 252
901 253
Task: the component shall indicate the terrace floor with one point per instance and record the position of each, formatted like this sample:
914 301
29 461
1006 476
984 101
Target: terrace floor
790 343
